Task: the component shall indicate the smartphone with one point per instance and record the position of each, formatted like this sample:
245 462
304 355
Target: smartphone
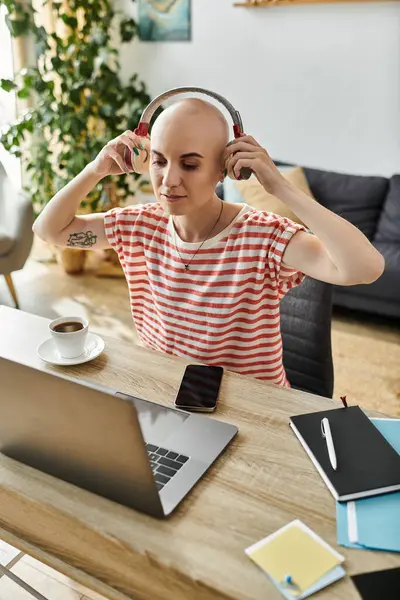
199 388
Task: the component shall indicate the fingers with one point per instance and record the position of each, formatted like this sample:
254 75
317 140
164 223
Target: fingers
233 160
251 155
241 143
242 162
136 139
240 147
116 148
252 141
128 138
112 153
229 165
248 139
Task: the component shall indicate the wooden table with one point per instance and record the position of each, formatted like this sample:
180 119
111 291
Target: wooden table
263 481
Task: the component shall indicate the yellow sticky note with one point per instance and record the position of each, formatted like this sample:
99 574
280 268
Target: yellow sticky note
297 551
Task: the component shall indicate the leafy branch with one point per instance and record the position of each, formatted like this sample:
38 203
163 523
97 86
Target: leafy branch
78 101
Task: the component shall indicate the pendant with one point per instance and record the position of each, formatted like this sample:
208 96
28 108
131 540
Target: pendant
186 267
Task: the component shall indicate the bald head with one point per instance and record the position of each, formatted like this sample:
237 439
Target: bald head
194 121
187 146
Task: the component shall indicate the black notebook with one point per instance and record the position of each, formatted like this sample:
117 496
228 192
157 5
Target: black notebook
379 585
367 464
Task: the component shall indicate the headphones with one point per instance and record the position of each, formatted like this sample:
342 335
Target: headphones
140 163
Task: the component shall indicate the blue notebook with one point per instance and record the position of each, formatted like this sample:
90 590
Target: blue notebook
373 522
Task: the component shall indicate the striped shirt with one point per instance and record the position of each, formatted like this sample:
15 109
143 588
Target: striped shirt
225 309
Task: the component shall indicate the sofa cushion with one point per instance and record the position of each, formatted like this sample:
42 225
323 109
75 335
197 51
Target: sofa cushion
255 195
388 285
6 242
251 192
366 303
388 229
357 198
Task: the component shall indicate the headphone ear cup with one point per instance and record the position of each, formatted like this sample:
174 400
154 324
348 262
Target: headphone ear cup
139 163
245 173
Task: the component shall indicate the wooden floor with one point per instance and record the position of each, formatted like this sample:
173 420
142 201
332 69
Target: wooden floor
366 353
51 584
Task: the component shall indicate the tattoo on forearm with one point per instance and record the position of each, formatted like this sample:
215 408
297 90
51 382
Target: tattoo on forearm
84 239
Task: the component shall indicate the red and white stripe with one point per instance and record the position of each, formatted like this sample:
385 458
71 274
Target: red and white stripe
225 309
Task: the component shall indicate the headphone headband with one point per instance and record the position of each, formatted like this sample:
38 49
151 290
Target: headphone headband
144 123
141 164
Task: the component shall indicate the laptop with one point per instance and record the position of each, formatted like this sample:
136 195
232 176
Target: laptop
138 453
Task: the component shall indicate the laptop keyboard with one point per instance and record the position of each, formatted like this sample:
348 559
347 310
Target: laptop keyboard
164 463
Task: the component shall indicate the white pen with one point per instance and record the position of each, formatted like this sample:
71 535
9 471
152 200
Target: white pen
327 434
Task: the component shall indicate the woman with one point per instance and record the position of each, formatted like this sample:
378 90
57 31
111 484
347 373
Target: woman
206 277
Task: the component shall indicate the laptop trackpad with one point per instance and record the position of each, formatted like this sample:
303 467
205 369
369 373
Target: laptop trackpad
157 422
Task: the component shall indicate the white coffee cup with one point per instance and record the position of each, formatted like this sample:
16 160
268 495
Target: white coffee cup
69 335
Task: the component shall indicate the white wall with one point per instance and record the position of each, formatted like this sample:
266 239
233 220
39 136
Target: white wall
317 84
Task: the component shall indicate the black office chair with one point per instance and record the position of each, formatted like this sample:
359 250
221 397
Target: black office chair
306 314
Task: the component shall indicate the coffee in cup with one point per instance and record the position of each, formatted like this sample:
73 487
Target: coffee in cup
69 335
68 327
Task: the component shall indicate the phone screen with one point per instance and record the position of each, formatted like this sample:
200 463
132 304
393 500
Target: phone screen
199 388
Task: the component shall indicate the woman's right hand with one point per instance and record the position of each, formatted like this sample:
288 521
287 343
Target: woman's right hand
110 160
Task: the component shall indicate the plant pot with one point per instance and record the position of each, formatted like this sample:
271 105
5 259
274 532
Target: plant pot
72 259
111 256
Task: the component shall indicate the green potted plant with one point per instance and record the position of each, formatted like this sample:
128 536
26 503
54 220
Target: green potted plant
77 99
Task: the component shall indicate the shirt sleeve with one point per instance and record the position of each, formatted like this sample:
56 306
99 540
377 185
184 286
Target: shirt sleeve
112 228
284 278
122 227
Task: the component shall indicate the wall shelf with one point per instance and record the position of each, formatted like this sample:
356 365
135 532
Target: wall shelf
270 3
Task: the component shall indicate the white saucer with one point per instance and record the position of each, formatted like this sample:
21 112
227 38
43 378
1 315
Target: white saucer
49 353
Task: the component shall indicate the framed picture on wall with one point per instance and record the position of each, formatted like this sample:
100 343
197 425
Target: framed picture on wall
165 20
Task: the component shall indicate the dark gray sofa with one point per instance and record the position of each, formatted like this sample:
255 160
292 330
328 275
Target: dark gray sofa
372 204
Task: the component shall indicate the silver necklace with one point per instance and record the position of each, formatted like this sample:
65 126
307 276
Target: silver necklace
186 264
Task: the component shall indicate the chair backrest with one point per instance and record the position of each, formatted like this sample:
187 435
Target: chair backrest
16 220
306 314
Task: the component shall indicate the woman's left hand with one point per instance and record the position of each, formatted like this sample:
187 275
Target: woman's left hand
247 152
